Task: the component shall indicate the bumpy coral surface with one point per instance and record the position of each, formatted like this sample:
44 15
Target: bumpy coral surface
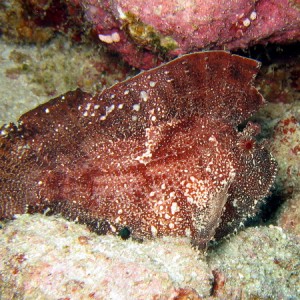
258 263
159 154
174 27
285 146
148 32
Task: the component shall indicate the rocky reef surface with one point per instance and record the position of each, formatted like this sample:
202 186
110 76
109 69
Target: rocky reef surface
46 256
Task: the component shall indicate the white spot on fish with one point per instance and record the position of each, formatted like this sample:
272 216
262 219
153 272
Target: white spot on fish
144 95
109 109
153 230
136 107
174 208
171 226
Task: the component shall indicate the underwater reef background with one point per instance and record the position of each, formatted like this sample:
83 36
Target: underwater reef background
42 255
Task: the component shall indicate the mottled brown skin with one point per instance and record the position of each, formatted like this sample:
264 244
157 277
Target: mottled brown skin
159 153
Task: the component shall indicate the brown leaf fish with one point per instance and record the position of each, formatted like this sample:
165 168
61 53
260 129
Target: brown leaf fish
159 154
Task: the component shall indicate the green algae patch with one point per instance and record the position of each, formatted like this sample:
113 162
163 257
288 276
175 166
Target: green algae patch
145 35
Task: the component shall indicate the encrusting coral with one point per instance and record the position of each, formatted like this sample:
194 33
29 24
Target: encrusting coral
145 33
159 154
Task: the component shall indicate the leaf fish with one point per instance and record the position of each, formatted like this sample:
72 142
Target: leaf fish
159 154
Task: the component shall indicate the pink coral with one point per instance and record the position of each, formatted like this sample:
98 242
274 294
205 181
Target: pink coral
146 33
148 30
